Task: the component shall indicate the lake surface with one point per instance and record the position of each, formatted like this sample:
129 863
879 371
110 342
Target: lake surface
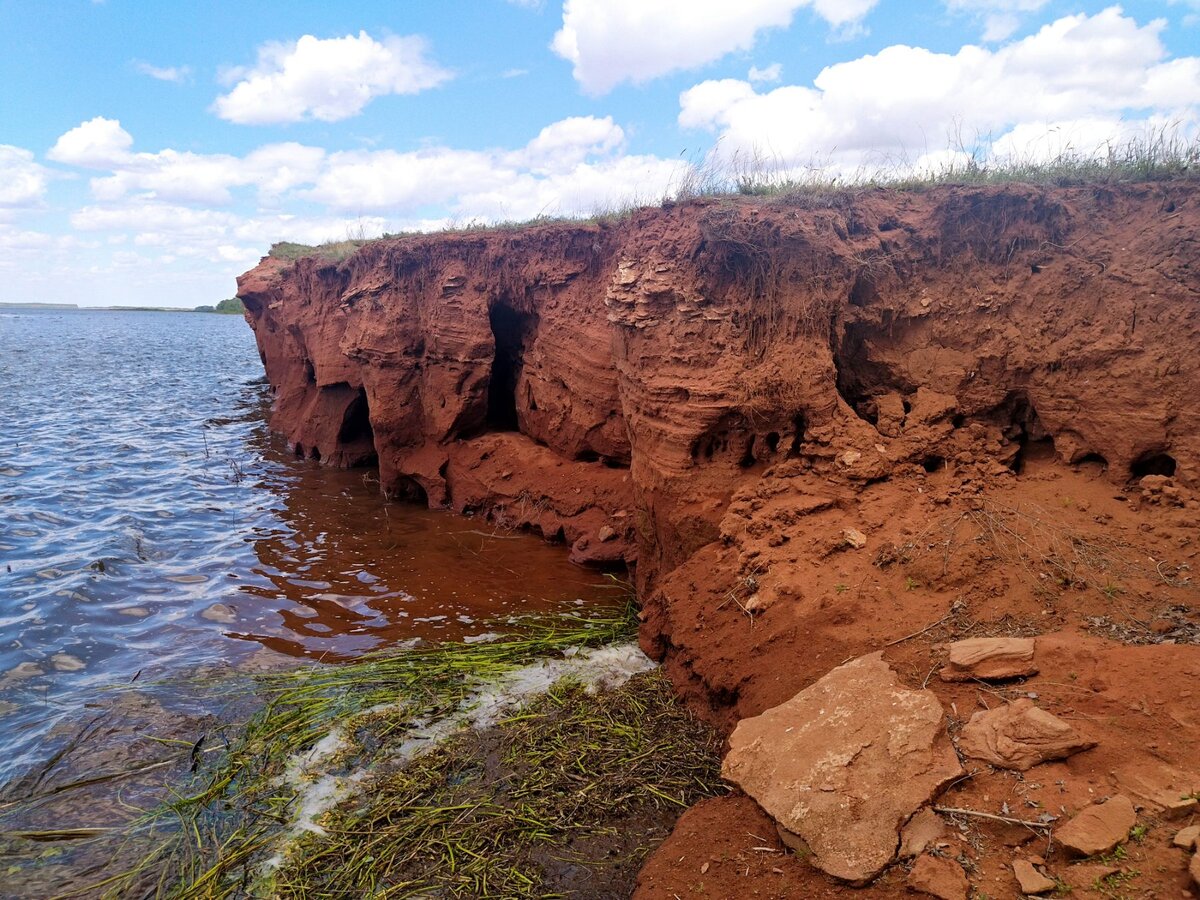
150 525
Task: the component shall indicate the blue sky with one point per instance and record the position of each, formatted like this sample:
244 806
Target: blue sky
149 152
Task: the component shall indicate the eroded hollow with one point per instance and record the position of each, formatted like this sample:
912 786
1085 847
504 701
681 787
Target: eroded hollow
1153 462
1020 424
356 437
512 332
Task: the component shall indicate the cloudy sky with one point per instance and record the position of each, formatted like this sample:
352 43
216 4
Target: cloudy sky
149 152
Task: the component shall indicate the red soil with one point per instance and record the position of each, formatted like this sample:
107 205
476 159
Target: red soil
974 380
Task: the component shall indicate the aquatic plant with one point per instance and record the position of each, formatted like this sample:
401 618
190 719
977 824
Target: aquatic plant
212 837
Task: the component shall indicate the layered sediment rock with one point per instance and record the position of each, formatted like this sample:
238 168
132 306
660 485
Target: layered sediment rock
657 366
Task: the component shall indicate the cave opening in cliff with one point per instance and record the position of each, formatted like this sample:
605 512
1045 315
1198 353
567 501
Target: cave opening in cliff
862 381
1021 425
511 331
356 430
1153 463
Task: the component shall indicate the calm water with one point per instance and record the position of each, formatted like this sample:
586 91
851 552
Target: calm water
150 524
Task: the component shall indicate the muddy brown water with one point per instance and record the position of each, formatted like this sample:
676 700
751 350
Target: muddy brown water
151 526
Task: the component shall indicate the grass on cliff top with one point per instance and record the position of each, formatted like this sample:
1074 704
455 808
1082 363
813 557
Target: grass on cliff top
209 840
1162 155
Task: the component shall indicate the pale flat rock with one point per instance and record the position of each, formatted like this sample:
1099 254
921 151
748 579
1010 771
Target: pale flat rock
939 877
844 763
990 659
219 612
1099 828
1187 838
1020 735
1030 879
923 830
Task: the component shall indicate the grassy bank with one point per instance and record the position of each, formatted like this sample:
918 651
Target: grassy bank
510 810
1164 155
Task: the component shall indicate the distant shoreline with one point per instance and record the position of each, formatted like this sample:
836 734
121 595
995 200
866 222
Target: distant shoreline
77 308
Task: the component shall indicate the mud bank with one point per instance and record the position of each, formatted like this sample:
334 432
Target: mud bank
817 429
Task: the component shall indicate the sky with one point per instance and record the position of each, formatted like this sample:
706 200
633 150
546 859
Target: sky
151 151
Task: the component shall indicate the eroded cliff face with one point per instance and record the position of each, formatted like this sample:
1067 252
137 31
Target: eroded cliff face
819 429
616 385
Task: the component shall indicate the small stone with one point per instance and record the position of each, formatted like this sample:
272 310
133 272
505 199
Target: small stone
849 458
1099 828
1187 838
990 659
1194 868
923 830
137 612
65 662
219 612
1030 879
606 533
938 877
852 537
1020 735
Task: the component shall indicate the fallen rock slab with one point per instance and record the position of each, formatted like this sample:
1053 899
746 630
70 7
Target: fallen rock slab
1030 879
939 877
1099 828
1187 838
844 763
923 830
990 659
1020 735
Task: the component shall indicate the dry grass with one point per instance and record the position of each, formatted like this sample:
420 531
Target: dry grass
503 813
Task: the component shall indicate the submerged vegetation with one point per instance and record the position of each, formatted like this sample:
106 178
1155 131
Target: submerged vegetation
504 811
571 791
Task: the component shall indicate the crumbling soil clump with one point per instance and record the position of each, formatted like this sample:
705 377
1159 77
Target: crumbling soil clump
956 427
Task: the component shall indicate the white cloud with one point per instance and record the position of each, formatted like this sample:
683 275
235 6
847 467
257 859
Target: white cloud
1000 18
613 41
572 166
96 144
175 74
22 180
182 176
765 75
326 79
1077 71
566 143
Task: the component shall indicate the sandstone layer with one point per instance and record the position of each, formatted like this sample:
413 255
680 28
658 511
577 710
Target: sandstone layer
817 428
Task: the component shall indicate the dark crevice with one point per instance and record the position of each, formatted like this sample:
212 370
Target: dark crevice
933 463
1021 427
1153 462
862 380
356 421
408 490
799 426
512 332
